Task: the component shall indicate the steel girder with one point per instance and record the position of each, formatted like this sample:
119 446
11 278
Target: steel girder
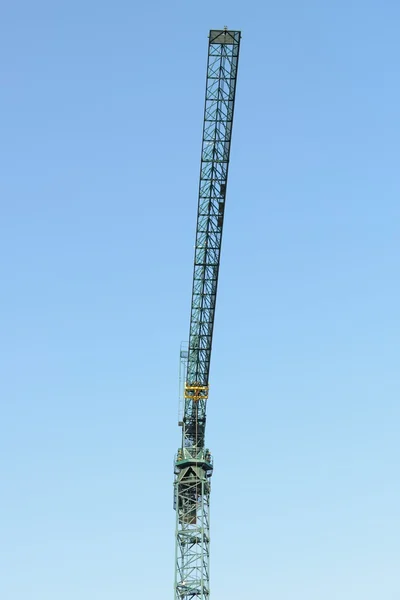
223 55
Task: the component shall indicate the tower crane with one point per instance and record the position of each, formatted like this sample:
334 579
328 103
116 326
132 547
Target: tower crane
193 465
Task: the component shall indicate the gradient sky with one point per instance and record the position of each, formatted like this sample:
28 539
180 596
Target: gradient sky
100 119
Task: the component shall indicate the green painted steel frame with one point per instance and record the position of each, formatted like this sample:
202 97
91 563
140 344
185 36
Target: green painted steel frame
193 463
223 56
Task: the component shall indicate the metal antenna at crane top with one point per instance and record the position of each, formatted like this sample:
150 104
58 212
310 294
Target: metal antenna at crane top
193 462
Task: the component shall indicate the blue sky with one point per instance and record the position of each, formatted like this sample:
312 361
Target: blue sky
100 119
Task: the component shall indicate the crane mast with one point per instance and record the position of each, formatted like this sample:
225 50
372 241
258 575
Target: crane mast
194 463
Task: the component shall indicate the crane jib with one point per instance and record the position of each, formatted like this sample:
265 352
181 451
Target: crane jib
217 131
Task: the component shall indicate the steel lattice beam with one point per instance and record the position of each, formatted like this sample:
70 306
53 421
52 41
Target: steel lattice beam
193 464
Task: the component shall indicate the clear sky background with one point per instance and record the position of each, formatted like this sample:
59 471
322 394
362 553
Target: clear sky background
101 112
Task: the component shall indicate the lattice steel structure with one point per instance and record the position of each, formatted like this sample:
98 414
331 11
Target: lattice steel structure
193 463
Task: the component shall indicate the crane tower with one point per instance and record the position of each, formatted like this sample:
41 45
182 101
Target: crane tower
193 463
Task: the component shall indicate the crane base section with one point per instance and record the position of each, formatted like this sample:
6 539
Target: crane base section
193 470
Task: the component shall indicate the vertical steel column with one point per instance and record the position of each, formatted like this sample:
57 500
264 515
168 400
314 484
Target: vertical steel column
193 463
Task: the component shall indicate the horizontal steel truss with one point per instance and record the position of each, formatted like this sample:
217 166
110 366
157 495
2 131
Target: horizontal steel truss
217 131
222 65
